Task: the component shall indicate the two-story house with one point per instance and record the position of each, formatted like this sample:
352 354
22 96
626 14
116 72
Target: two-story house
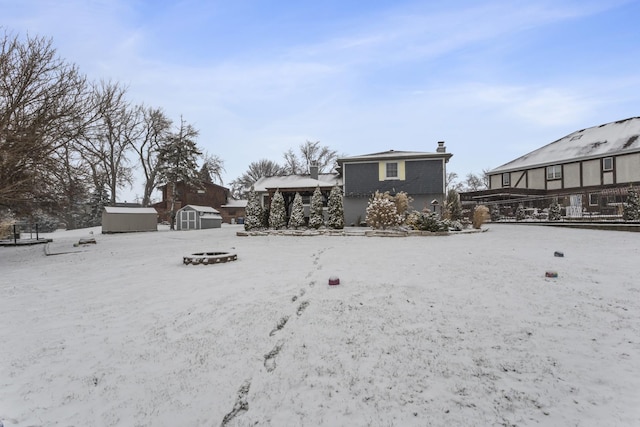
421 175
204 194
587 171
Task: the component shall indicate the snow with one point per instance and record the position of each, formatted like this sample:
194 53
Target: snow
296 181
608 139
453 330
124 210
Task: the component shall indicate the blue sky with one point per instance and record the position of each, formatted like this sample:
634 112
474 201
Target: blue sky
493 79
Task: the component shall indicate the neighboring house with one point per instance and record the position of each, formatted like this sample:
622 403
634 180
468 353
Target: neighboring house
206 194
235 210
289 185
587 171
193 217
127 219
420 174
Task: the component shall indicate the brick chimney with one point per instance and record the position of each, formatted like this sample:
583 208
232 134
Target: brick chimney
441 148
313 169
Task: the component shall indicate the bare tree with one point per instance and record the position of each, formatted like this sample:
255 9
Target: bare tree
41 97
310 152
256 170
212 168
452 182
156 129
475 182
292 163
115 127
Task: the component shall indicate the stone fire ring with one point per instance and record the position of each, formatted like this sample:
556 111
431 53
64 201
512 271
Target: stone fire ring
206 258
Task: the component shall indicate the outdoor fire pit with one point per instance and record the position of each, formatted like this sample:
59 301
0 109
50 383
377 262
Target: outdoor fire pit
206 258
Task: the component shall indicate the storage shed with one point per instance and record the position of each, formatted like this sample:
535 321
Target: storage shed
193 217
128 220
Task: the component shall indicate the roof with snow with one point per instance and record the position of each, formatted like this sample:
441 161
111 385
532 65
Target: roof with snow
205 209
123 210
324 180
394 154
608 139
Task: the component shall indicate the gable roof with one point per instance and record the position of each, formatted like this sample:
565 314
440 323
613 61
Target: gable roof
205 209
394 154
129 210
325 180
608 139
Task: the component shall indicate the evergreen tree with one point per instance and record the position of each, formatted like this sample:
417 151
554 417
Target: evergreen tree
631 208
277 214
316 218
178 158
520 214
297 212
98 200
336 209
253 212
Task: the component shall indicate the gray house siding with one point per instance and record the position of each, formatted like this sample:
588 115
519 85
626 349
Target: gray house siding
422 177
362 179
423 182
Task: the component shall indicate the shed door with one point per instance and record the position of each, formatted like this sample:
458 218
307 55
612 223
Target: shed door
188 220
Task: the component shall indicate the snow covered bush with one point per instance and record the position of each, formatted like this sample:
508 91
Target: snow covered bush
554 212
336 209
428 221
382 212
316 218
297 212
277 214
520 214
253 212
631 208
480 216
403 204
453 225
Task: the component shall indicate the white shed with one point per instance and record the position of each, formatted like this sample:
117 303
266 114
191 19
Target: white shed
193 217
127 220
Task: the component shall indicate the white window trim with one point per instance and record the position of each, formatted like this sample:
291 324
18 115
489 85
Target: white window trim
596 195
557 172
604 168
506 182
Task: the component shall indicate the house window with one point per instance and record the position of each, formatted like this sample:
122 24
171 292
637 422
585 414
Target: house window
392 170
554 172
506 179
607 164
593 199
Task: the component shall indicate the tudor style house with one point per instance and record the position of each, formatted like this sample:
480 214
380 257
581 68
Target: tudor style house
420 174
588 172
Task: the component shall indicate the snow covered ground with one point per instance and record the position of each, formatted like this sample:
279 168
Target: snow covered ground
455 330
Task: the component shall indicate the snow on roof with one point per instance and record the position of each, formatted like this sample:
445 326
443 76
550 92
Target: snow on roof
394 154
122 210
607 139
297 181
233 203
197 208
